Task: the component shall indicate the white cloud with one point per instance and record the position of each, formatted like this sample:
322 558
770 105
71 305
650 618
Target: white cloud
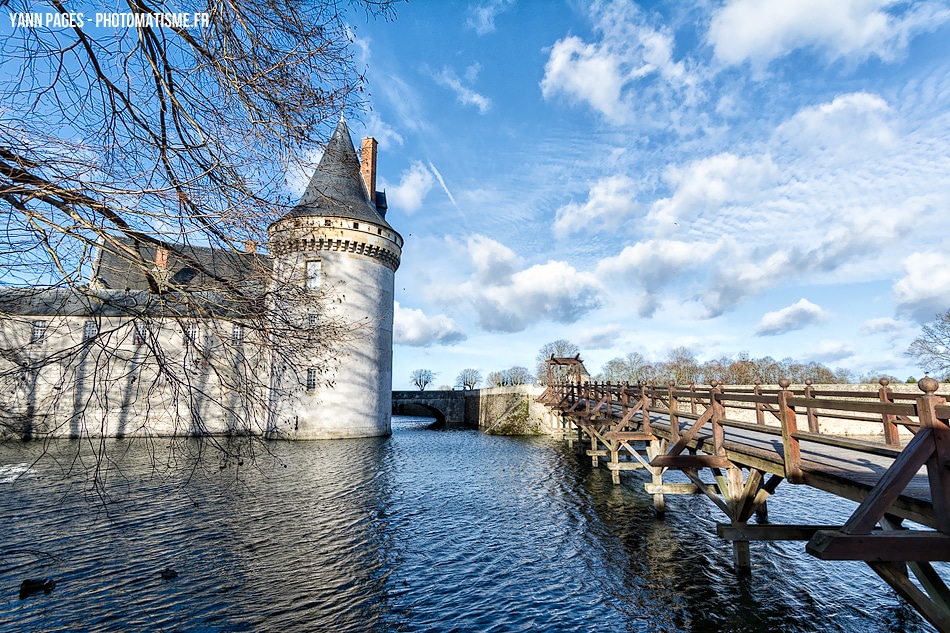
414 184
882 325
854 124
603 337
384 133
482 18
554 291
924 291
630 57
412 327
507 298
656 262
793 317
494 262
759 31
465 95
609 201
705 185
828 352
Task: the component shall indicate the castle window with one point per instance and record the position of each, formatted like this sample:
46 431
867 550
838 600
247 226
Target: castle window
237 335
38 331
311 379
314 273
89 330
189 333
356 225
328 223
140 335
379 231
312 320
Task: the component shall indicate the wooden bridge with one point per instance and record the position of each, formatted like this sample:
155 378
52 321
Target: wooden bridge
736 445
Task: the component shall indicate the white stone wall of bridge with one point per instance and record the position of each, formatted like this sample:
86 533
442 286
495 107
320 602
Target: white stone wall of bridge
482 408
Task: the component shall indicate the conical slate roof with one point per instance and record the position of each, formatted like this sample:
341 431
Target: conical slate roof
337 188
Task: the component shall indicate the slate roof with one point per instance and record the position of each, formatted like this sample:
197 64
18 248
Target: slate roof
192 268
86 302
337 188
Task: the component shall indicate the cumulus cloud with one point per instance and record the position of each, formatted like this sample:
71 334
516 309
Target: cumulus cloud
883 325
793 317
509 298
629 56
609 201
924 290
851 123
465 95
494 262
554 291
604 337
828 352
653 264
412 327
414 184
759 31
708 183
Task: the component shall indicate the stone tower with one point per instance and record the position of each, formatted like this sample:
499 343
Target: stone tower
337 237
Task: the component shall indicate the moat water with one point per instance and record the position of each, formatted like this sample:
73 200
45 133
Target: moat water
422 531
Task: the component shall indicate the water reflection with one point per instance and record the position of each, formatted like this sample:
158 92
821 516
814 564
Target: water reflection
426 530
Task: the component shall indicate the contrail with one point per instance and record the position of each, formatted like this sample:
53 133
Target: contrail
442 182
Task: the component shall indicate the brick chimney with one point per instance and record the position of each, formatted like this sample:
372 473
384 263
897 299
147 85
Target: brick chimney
368 166
161 257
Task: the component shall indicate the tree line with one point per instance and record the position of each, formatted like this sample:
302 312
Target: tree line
931 350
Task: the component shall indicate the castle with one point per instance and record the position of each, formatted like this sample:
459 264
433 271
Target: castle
183 340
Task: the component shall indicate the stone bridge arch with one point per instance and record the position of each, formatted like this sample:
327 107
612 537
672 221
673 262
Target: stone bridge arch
447 407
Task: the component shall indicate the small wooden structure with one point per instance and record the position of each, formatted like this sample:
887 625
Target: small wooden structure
739 463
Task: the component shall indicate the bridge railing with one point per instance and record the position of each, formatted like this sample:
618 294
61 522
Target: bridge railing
824 416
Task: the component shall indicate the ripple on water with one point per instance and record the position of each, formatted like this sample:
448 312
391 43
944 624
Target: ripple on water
426 530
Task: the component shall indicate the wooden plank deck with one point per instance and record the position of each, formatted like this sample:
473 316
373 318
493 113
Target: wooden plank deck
690 430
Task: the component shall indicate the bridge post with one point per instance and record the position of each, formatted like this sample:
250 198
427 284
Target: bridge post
810 411
718 413
891 435
759 410
790 446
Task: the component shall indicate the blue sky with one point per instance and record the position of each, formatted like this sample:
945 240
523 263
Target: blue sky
750 176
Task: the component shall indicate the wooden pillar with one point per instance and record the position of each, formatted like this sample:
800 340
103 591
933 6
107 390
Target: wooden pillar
718 412
759 411
657 447
891 435
674 410
790 446
741 555
645 411
810 411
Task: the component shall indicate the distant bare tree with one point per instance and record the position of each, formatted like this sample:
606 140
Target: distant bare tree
468 378
932 348
495 379
518 375
509 377
422 378
632 368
